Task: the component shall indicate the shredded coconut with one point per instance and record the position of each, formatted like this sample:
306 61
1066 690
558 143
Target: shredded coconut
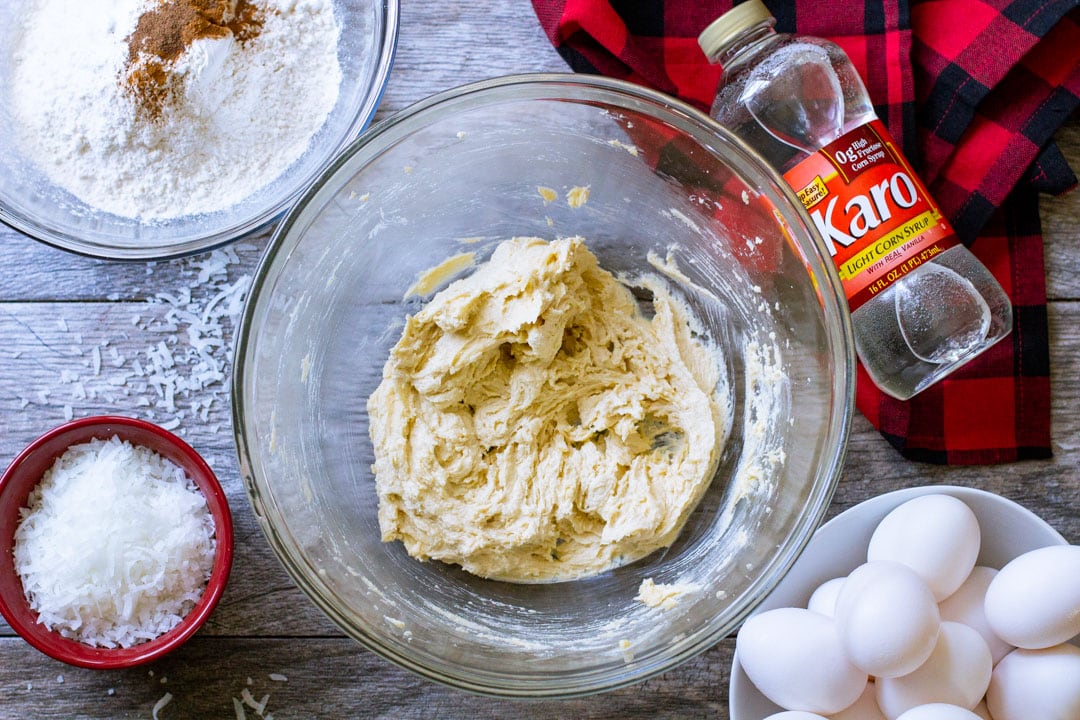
247 111
182 381
160 704
257 705
115 545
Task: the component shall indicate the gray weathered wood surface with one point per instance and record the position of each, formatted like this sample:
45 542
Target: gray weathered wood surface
55 307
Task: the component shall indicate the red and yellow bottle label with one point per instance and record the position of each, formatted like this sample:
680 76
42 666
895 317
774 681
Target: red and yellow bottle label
876 217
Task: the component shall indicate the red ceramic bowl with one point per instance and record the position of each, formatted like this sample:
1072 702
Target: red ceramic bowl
26 471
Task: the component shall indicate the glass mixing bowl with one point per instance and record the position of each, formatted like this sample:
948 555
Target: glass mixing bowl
30 202
669 193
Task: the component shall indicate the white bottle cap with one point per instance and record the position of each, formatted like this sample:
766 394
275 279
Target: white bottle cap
723 30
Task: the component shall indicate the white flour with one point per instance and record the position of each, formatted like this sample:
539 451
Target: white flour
247 114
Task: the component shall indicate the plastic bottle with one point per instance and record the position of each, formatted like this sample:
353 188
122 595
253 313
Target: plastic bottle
921 304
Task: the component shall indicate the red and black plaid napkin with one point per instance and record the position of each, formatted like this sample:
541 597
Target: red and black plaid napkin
974 89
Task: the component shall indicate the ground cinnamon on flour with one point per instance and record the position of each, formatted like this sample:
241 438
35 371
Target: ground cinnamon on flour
164 32
80 127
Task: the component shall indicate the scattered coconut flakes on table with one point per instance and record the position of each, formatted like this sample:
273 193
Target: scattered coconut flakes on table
183 371
165 700
247 700
259 706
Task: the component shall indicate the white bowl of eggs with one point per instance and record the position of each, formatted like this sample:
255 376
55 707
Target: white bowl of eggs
930 603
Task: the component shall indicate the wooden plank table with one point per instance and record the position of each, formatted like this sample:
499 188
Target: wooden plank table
266 638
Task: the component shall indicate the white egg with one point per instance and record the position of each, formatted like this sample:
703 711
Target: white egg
794 657
937 536
966 606
1034 602
865 708
887 619
823 600
956 673
1036 685
938 711
796 715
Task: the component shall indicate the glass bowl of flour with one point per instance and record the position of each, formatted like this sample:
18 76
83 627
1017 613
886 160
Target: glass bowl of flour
542 386
139 129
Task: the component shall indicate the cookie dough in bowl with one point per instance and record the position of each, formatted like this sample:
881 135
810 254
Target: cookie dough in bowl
600 466
533 425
